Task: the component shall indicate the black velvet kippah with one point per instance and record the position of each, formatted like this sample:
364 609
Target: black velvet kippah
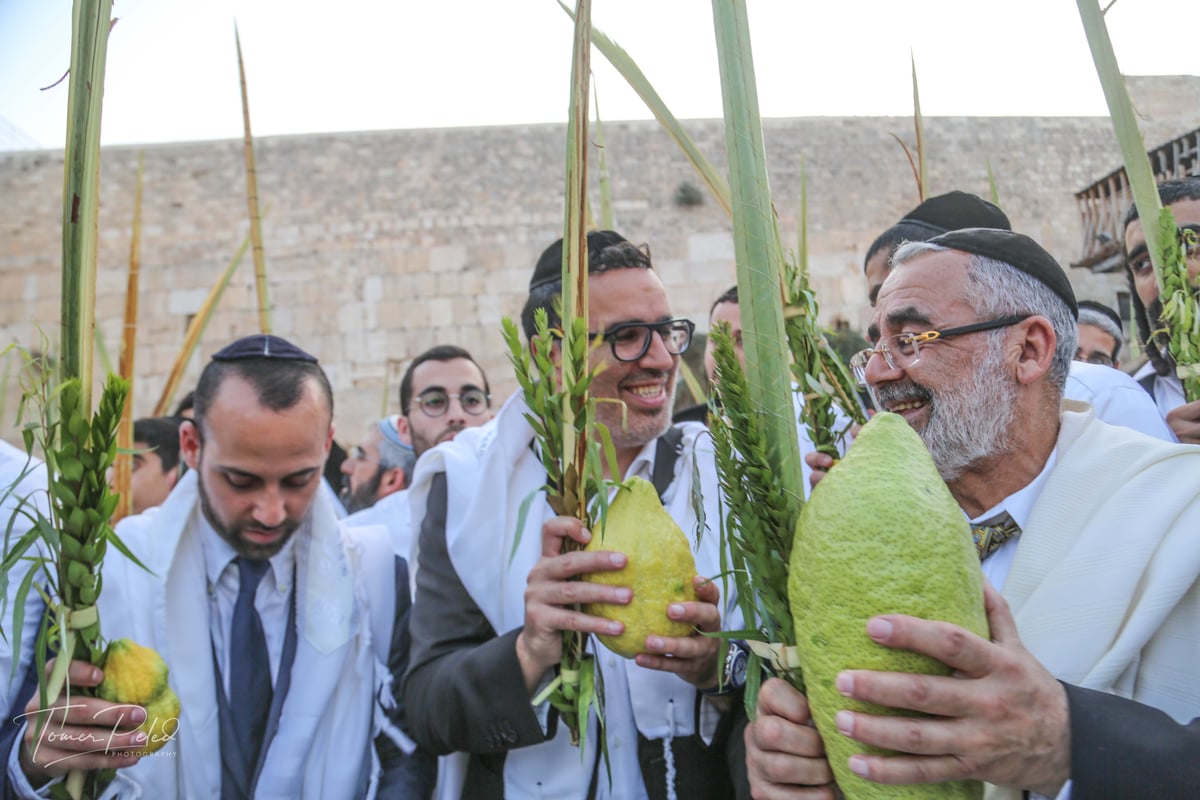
957 210
549 265
1017 250
262 345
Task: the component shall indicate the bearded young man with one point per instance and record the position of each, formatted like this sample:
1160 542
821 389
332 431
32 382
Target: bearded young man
974 333
443 391
379 467
1157 376
490 612
274 620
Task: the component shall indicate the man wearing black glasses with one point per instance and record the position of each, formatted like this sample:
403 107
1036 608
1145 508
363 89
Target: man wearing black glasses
1095 532
493 590
442 392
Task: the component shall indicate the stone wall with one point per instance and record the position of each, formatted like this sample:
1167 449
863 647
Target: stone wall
379 245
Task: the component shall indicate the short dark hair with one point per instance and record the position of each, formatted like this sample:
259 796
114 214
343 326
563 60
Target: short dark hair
441 352
607 251
1169 192
278 383
188 403
160 434
730 295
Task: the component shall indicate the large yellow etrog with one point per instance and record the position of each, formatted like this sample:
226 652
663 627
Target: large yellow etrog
659 571
881 534
138 675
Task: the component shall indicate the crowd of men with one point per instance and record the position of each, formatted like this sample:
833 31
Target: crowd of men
396 638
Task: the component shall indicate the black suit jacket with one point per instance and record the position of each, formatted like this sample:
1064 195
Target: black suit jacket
464 689
1123 749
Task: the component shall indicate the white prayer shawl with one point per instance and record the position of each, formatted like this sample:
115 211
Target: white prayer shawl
393 513
22 497
490 470
1116 398
323 747
1104 586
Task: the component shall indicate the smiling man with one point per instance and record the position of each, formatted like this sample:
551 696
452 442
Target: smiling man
262 605
491 608
974 332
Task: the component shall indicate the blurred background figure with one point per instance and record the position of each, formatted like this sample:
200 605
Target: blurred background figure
156 466
1101 335
380 466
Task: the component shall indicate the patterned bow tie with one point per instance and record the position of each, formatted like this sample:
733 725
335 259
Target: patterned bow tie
993 532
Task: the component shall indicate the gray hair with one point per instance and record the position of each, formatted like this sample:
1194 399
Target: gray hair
394 453
1090 316
996 289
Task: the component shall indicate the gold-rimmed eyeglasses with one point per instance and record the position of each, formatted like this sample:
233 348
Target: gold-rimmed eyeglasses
904 349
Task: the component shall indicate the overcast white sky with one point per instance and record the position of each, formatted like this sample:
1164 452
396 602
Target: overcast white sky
376 64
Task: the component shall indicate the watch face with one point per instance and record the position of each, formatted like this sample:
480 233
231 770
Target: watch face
736 667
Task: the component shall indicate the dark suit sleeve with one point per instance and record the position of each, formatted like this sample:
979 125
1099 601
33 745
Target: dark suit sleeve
1121 748
411 776
464 690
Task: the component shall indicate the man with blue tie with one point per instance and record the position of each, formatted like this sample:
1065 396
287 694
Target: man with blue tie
275 620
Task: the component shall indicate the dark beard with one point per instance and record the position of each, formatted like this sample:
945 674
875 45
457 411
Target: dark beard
243 547
365 496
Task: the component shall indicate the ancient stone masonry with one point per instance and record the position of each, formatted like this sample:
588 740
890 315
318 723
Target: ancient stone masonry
379 245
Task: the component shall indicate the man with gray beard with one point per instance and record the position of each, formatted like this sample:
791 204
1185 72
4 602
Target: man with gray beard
1090 538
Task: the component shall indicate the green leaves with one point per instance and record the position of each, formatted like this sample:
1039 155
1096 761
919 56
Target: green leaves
1181 304
757 530
1181 307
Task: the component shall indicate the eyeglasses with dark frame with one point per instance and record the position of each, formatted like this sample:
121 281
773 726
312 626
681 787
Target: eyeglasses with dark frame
904 349
630 341
436 402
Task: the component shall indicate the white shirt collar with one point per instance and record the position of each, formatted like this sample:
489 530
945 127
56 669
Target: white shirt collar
1019 504
643 464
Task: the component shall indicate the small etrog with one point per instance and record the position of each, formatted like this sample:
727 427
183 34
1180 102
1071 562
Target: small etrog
137 675
659 571
881 534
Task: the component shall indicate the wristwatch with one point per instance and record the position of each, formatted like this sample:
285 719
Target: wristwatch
734 673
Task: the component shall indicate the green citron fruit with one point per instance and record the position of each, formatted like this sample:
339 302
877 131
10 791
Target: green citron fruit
881 534
137 675
660 568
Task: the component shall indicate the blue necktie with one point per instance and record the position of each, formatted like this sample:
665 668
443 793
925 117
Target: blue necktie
249 664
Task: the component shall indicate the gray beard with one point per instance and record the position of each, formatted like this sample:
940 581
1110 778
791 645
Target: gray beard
972 422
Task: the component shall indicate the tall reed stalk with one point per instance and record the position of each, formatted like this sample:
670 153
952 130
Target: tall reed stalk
123 465
1180 299
260 262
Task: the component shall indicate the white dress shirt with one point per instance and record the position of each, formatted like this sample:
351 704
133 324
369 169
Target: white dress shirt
272 599
1019 505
